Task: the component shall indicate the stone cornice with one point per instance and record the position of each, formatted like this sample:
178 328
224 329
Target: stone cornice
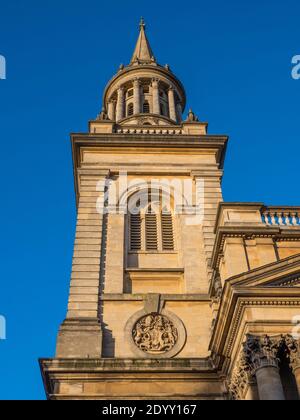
235 204
250 232
202 369
144 142
167 297
123 365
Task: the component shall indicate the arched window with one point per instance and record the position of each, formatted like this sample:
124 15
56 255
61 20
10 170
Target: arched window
146 107
151 227
130 110
129 93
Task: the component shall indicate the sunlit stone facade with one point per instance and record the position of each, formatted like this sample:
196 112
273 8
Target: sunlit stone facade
174 294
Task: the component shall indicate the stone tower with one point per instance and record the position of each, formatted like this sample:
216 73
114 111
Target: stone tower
171 289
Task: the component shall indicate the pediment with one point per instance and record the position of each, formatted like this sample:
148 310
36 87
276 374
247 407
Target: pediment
292 281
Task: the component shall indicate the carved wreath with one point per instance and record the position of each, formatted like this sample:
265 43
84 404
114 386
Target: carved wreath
155 334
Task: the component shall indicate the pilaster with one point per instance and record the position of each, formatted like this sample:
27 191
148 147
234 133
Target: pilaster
83 318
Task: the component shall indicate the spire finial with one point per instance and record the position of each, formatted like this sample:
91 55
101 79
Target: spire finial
142 52
142 23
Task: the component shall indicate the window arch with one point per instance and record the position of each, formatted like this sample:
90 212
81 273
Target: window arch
151 226
146 107
130 110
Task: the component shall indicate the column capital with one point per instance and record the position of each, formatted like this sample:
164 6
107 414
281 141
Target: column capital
136 81
293 347
155 82
261 351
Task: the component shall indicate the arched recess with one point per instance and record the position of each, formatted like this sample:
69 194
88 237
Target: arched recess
150 221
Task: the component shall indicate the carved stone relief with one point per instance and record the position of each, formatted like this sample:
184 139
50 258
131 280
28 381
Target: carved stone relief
155 334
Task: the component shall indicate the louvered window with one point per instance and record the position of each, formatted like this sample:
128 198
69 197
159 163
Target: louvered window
146 107
135 232
152 229
130 110
167 232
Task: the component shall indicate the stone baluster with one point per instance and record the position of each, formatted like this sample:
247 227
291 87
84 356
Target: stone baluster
287 218
261 354
136 97
120 104
294 218
273 218
281 218
155 96
266 217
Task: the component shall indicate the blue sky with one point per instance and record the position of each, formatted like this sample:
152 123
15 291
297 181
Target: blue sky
234 59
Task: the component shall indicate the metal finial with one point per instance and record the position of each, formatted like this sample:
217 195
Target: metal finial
142 23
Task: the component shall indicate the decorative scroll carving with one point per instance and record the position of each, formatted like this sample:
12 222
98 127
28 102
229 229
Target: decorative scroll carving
155 334
240 379
293 351
218 288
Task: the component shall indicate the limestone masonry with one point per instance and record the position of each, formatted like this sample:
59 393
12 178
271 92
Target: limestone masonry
174 294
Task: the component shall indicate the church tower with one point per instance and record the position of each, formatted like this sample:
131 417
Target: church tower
154 249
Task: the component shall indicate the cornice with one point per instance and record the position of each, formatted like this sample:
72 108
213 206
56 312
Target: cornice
148 142
279 234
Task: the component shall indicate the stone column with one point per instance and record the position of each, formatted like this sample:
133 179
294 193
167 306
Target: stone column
111 110
120 104
172 108
80 335
179 112
155 95
261 355
136 97
293 346
296 371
